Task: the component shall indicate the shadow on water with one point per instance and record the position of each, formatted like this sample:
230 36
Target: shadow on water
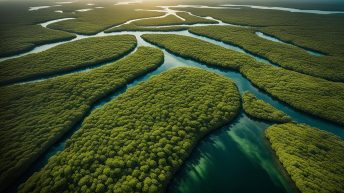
232 159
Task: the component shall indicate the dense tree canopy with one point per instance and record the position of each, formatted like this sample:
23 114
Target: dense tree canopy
312 157
262 110
173 20
314 31
289 57
97 20
16 38
136 142
66 57
316 96
34 116
313 95
133 27
19 31
199 50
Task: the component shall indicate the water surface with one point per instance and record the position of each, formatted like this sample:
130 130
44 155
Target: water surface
235 158
293 10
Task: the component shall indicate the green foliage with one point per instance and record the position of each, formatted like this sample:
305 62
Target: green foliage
34 116
19 31
325 37
262 110
92 22
17 13
312 157
260 17
173 20
16 39
133 27
316 96
66 57
289 57
191 19
168 20
313 95
320 32
199 50
136 142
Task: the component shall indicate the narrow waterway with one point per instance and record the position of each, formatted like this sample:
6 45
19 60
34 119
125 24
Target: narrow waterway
293 10
274 39
137 34
45 24
42 48
236 158
77 70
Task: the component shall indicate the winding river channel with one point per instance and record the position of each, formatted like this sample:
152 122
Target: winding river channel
235 158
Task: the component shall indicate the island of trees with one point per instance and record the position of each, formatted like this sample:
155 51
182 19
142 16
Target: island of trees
136 142
261 110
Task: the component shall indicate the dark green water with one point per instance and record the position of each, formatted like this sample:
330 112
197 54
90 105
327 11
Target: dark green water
232 159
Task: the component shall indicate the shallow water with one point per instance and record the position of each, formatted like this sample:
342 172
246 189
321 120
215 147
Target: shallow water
128 2
293 10
38 8
83 10
64 2
203 7
235 158
45 24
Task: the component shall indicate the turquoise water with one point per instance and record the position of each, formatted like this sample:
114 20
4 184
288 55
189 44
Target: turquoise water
236 158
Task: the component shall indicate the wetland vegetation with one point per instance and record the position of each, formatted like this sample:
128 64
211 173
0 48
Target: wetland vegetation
199 50
133 27
313 95
92 22
87 106
287 56
262 110
313 158
34 116
20 32
66 57
136 142
313 31
173 20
